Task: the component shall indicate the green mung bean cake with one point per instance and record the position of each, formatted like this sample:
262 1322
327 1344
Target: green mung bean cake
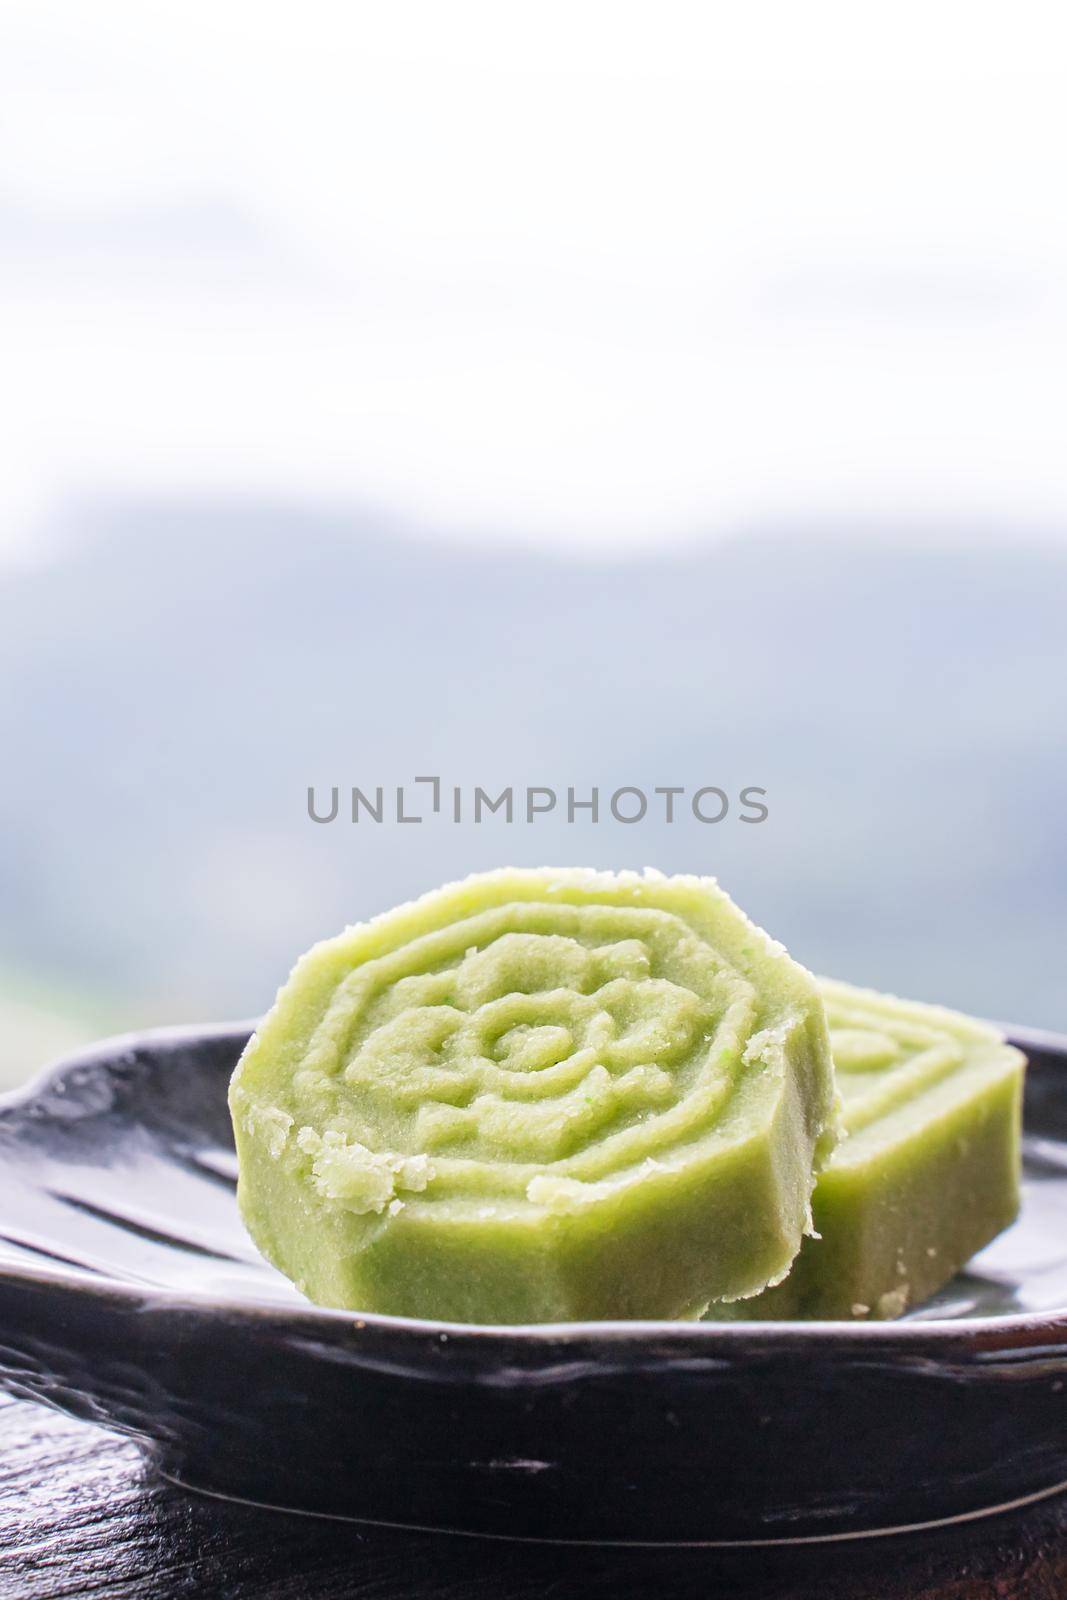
538 1095
928 1172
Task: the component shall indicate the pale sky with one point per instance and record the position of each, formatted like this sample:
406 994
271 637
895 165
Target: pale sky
586 272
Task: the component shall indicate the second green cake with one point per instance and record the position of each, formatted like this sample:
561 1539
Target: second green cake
928 1172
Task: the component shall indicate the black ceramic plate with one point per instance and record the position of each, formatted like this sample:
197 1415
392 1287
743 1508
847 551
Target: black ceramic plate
130 1295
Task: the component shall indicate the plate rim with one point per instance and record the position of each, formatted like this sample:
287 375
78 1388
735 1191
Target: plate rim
991 1333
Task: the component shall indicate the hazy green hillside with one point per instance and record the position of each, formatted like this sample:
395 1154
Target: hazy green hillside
38 1026
175 681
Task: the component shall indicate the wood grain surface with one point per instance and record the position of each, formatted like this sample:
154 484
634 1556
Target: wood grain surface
81 1514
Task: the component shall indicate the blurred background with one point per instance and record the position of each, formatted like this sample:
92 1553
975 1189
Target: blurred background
581 395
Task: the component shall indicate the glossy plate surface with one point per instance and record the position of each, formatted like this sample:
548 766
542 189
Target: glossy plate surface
131 1295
